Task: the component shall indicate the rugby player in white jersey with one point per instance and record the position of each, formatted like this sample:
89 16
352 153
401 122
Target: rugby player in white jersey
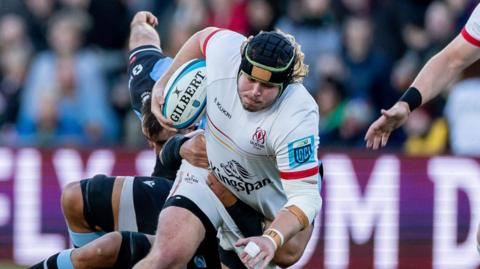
434 77
262 140
97 206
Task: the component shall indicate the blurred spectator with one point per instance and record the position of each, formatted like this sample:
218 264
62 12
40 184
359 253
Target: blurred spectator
404 72
107 35
66 78
189 16
75 4
229 14
110 21
15 53
383 45
349 8
262 15
438 31
462 111
415 38
120 100
358 114
388 18
461 10
179 34
331 103
426 135
121 96
159 8
368 70
388 22
10 7
135 6
13 33
13 66
313 25
133 137
439 25
330 66
37 13
426 130
193 13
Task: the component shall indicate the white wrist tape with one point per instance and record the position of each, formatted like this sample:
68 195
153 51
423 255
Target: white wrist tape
275 245
275 236
252 249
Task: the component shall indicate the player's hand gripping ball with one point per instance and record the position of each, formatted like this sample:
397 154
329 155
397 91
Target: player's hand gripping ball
186 94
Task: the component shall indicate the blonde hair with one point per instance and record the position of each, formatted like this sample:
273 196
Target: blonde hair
300 69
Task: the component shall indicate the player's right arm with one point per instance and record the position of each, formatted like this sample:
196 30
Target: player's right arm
435 76
192 49
444 67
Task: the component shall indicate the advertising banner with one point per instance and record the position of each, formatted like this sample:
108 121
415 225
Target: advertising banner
379 211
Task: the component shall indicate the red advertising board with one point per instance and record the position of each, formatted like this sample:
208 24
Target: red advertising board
379 211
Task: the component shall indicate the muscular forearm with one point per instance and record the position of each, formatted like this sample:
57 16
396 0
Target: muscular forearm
170 154
444 67
304 203
190 50
287 224
435 77
142 31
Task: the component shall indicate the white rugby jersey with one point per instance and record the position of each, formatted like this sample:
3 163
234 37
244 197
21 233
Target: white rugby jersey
471 30
250 152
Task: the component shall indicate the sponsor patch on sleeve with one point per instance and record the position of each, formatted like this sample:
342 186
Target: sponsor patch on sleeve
301 151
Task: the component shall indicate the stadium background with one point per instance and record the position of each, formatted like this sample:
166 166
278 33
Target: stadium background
65 114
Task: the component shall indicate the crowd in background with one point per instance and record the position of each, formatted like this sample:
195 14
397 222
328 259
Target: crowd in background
63 66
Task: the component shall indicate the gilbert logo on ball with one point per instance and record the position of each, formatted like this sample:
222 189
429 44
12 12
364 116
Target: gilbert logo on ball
186 94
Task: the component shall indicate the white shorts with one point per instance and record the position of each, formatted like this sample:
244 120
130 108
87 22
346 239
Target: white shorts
191 182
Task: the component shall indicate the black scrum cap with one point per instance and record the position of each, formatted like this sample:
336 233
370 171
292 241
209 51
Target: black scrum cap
269 57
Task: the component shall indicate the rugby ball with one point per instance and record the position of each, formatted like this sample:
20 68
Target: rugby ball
186 94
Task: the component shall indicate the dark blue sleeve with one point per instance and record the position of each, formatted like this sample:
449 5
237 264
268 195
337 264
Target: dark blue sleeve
169 159
145 66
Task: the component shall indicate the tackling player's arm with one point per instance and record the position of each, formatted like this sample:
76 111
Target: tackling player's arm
190 147
142 30
192 49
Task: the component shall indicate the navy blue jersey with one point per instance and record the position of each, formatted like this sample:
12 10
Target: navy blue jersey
146 65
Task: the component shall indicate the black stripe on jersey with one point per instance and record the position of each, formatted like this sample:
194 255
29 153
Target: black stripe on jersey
141 63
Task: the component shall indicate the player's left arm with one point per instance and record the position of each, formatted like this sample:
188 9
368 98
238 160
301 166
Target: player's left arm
299 172
296 153
142 31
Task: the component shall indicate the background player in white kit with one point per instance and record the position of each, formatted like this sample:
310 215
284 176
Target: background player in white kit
434 77
262 139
